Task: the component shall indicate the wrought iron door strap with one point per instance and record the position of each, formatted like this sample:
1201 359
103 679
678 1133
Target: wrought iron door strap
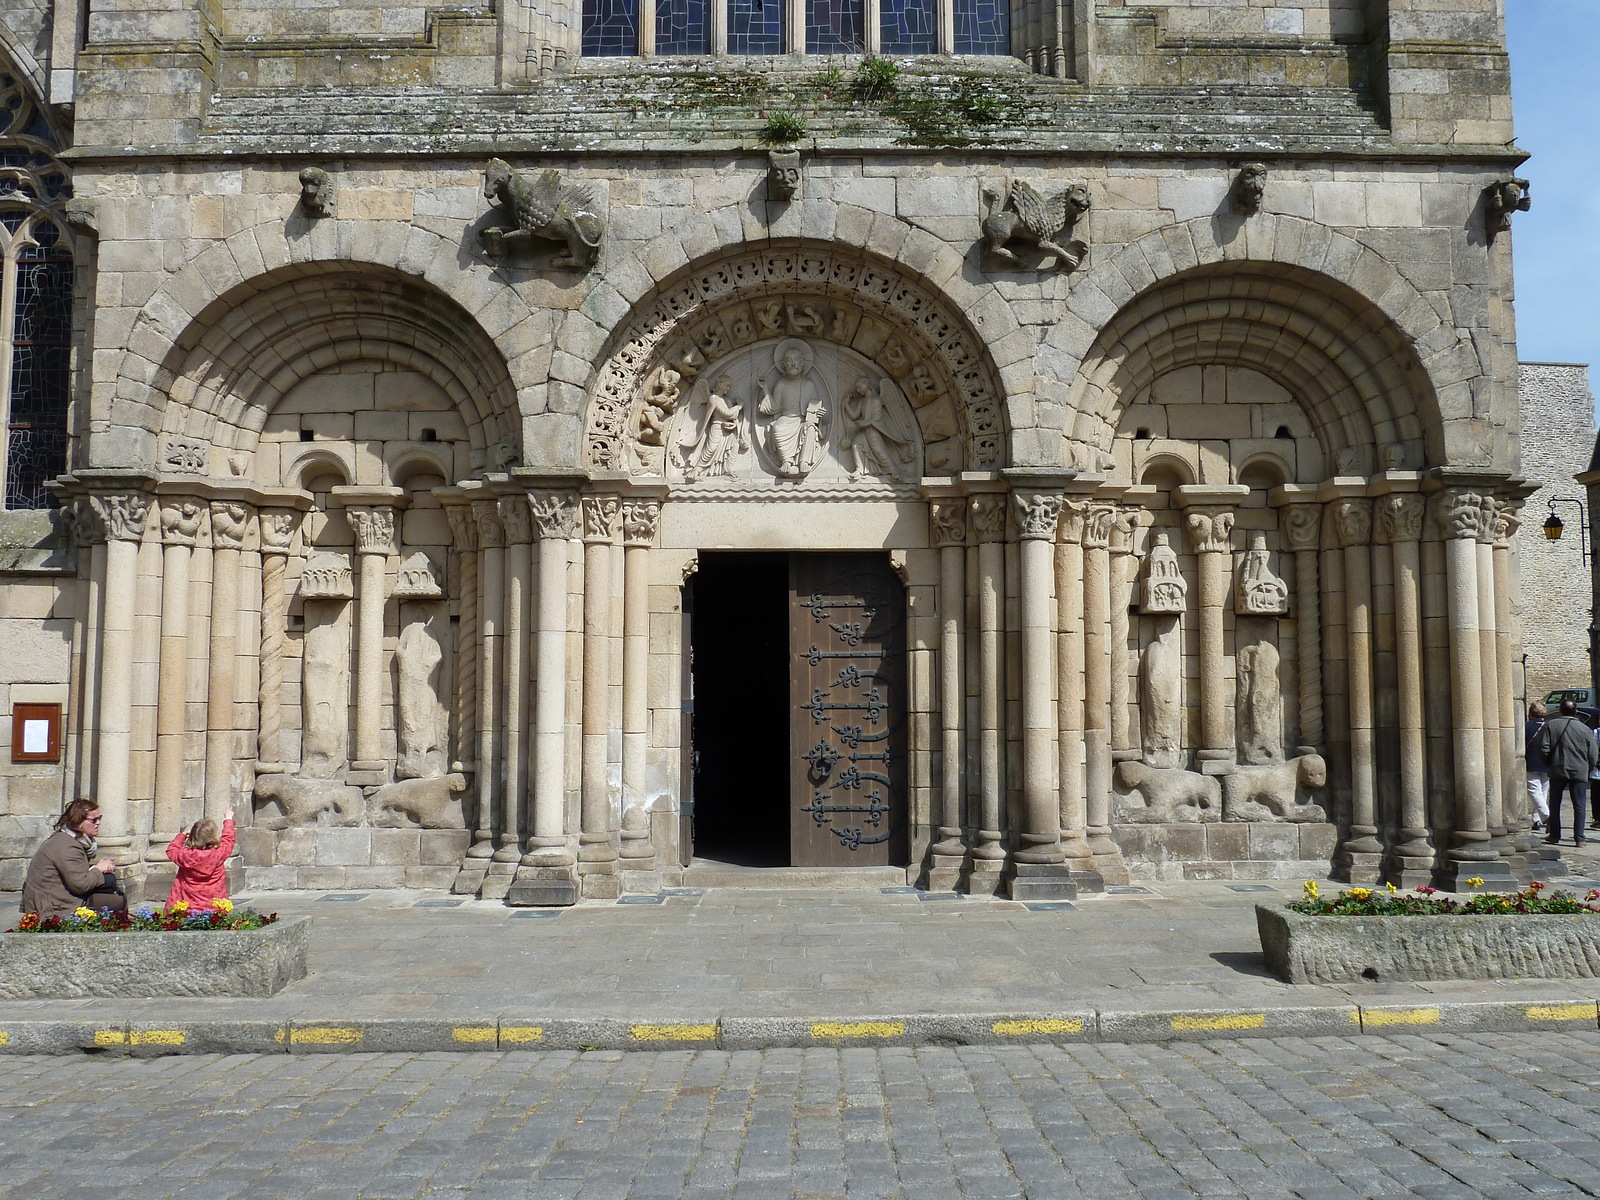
821 706
820 606
815 655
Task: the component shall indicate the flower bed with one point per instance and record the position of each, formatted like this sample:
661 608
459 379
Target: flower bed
177 919
227 954
1386 936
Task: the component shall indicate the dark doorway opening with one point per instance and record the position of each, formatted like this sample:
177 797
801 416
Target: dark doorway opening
739 640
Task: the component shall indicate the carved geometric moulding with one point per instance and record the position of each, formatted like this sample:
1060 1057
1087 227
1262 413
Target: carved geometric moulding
326 576
418 579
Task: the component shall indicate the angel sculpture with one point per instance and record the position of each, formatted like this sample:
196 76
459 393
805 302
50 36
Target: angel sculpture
544 210
875 442
1022 214
709 443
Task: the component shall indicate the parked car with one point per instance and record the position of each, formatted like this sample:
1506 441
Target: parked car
1587 709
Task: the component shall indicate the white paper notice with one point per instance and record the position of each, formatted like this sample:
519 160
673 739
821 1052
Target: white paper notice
36 737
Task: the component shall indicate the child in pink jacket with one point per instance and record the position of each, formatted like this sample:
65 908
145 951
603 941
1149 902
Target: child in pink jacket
202 857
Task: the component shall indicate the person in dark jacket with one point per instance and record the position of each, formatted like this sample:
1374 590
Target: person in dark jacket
1568 747
64 875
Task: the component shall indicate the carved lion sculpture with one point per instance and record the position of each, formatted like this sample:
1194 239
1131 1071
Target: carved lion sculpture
544 210
304 801
1279 791
1024 215
429 803
1170 795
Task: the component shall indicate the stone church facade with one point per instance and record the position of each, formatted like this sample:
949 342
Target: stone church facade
520 448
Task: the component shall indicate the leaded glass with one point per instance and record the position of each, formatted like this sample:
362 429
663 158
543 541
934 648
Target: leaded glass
909 26
40 370
755 26
33 458
834 27
983 27
610 28
683 27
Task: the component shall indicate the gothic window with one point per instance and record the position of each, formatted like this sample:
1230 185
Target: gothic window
624 28
36 273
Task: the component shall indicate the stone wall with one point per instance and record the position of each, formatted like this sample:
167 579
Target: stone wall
1558 431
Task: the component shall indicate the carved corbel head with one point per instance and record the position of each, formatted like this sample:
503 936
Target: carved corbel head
316 192
1503 198
783 174
1250 187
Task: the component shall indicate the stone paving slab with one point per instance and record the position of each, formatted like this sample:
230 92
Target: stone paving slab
749 969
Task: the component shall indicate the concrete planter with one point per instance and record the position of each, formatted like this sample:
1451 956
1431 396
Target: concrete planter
69 966
1306 949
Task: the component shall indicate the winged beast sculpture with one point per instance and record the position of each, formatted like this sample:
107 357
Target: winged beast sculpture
1022 214
544 210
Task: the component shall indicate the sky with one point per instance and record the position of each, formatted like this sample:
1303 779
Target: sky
1555 90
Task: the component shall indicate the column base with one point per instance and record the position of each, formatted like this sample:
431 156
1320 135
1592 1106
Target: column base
482 848
988 847
157 850
543 887
1090 880
1356 867
1410 872
1496 876
508 853
943 872
470 877
495 886
985 877
1041 881
641 881
1547 864
636 845
549 852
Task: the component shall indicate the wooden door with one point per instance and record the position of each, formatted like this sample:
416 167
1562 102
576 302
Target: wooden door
847 618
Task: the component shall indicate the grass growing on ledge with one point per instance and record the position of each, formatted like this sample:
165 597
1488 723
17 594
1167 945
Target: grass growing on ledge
1390 901
783 128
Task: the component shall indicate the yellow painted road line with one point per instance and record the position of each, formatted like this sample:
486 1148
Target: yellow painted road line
5 1038
110 1037
157 1037
1403 1016
673 1033
474 1033
857 1029
1037 1025
1539 1012
1214 1024
325 1035
521 1033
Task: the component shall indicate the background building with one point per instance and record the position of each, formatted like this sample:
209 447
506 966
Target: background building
521 448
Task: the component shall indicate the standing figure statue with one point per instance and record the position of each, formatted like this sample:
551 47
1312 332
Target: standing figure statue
794 410
705 449
874 442
545 210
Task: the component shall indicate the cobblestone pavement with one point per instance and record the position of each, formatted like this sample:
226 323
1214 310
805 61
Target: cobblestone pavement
1437 1118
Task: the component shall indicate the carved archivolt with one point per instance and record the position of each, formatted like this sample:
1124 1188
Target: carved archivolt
829 295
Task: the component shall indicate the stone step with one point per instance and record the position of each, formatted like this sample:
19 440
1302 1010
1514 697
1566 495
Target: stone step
708 873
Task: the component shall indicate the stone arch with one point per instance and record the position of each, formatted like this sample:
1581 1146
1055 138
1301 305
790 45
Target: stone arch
829 292
224 375
1354 372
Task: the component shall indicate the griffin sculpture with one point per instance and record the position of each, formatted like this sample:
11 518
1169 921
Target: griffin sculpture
545 210
1022 214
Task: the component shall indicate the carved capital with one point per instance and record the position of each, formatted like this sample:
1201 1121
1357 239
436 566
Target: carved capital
1097 524
374 527
640 520
486 515
1037 514
1074 513
1352 522
948 522
463 526
122 514
1459 512
1491 513
1302 526
600 518
1210 530
1400 517
554 512
278 527
516 520
230 524
1124 525
87 527
988 511
181 521
1507 520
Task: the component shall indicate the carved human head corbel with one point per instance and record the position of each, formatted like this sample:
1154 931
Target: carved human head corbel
1501 199
316 192
1250 187
783 174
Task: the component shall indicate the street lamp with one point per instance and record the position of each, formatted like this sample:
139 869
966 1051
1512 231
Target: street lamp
1553 526
1552 529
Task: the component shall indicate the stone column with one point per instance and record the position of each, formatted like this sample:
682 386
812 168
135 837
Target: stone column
1069 673
1513 766
1124 567
1494 800
1211 532
491 641
1460 517
989 523
83 700
373 524
596 852
464 698
1097 682
1038 867
1302 534
123 515
518 525
1352 520
230 526
948 524
181 519
640 518
1401 525
278 527
547 874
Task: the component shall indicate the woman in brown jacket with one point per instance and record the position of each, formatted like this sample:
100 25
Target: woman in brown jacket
63 875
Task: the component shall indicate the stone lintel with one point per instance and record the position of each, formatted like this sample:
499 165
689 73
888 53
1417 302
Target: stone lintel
357 496
1194 495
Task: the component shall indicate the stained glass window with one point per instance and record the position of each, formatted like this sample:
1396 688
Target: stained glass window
610 28
755 26
41 349
909 26
835 27
983 26
683 27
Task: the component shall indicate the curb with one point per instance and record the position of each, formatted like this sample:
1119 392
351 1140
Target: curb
330 1035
